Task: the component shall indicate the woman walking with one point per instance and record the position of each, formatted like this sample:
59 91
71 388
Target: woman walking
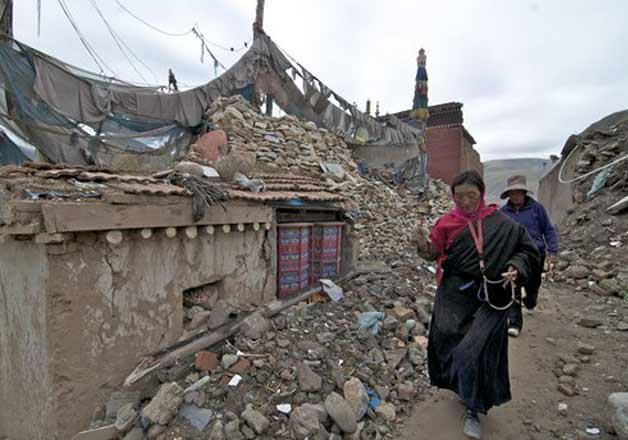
482 256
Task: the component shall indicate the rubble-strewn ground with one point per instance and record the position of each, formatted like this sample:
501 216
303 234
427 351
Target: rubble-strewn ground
550 336
314 372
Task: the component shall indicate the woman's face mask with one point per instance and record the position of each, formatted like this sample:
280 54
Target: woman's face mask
467 197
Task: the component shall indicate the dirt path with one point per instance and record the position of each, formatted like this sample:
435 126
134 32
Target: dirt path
533 413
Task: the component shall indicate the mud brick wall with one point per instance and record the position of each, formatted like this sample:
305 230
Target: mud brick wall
76 317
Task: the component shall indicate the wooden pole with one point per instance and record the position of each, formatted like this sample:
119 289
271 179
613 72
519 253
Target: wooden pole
258 26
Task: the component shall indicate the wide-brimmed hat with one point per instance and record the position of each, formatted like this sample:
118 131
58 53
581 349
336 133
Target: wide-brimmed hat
516 183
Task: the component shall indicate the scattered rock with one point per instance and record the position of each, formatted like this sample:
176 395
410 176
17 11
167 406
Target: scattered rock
229 360
618 403
241 367
589 322
306 421
255 420
567 389
309 381
134 434
341 412
165 405
577 272
206 361
387 411
571 369
586 349
255 326
357 397
125 418
406 391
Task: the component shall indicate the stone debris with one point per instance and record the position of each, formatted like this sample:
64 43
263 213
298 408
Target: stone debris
618 403
255 420
341 413
339 380
165 405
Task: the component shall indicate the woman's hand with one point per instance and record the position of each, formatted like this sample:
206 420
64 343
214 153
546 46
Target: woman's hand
511 275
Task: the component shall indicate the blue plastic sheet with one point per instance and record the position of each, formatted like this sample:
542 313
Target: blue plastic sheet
371 321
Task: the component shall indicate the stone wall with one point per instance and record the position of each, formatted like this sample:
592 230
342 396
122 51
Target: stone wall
78 316
555 196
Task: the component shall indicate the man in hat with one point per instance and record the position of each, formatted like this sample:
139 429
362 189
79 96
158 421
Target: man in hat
523 209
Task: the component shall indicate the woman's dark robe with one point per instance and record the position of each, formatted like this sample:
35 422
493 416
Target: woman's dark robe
468 339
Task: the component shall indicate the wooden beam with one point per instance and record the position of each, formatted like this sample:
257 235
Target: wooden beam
182 349
74 217
105 433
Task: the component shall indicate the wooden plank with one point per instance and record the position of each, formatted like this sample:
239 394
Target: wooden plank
108 432
135 199
69 217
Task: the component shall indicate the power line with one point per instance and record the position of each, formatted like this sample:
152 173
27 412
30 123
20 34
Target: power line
180 34
116 39
92 52
155 28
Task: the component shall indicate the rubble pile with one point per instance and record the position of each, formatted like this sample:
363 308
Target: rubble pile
347 369
594 235
322 369
384 217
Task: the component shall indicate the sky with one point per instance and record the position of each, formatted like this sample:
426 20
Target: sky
529 72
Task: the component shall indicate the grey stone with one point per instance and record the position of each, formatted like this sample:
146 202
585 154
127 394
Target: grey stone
255 420
165 404
341 412
394 357
255 326
306 420
221 313
232 430
622 326
156 431
125 418
619 414
589 322
406 391
229 360
387 411
571 369
217 431
586 349
577 272
118 399
308 380
134 434
357 397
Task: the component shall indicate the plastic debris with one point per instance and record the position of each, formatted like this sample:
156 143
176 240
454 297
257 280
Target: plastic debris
593 431
599 182
374 399
253 185
198 384
371 321
284 408
198 417
235 381
333 291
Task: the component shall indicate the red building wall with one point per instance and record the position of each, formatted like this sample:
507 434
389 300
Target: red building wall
449 153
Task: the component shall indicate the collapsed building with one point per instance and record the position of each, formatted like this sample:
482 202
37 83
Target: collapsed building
154 204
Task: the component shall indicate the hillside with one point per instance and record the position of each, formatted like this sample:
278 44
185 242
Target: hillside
496 172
